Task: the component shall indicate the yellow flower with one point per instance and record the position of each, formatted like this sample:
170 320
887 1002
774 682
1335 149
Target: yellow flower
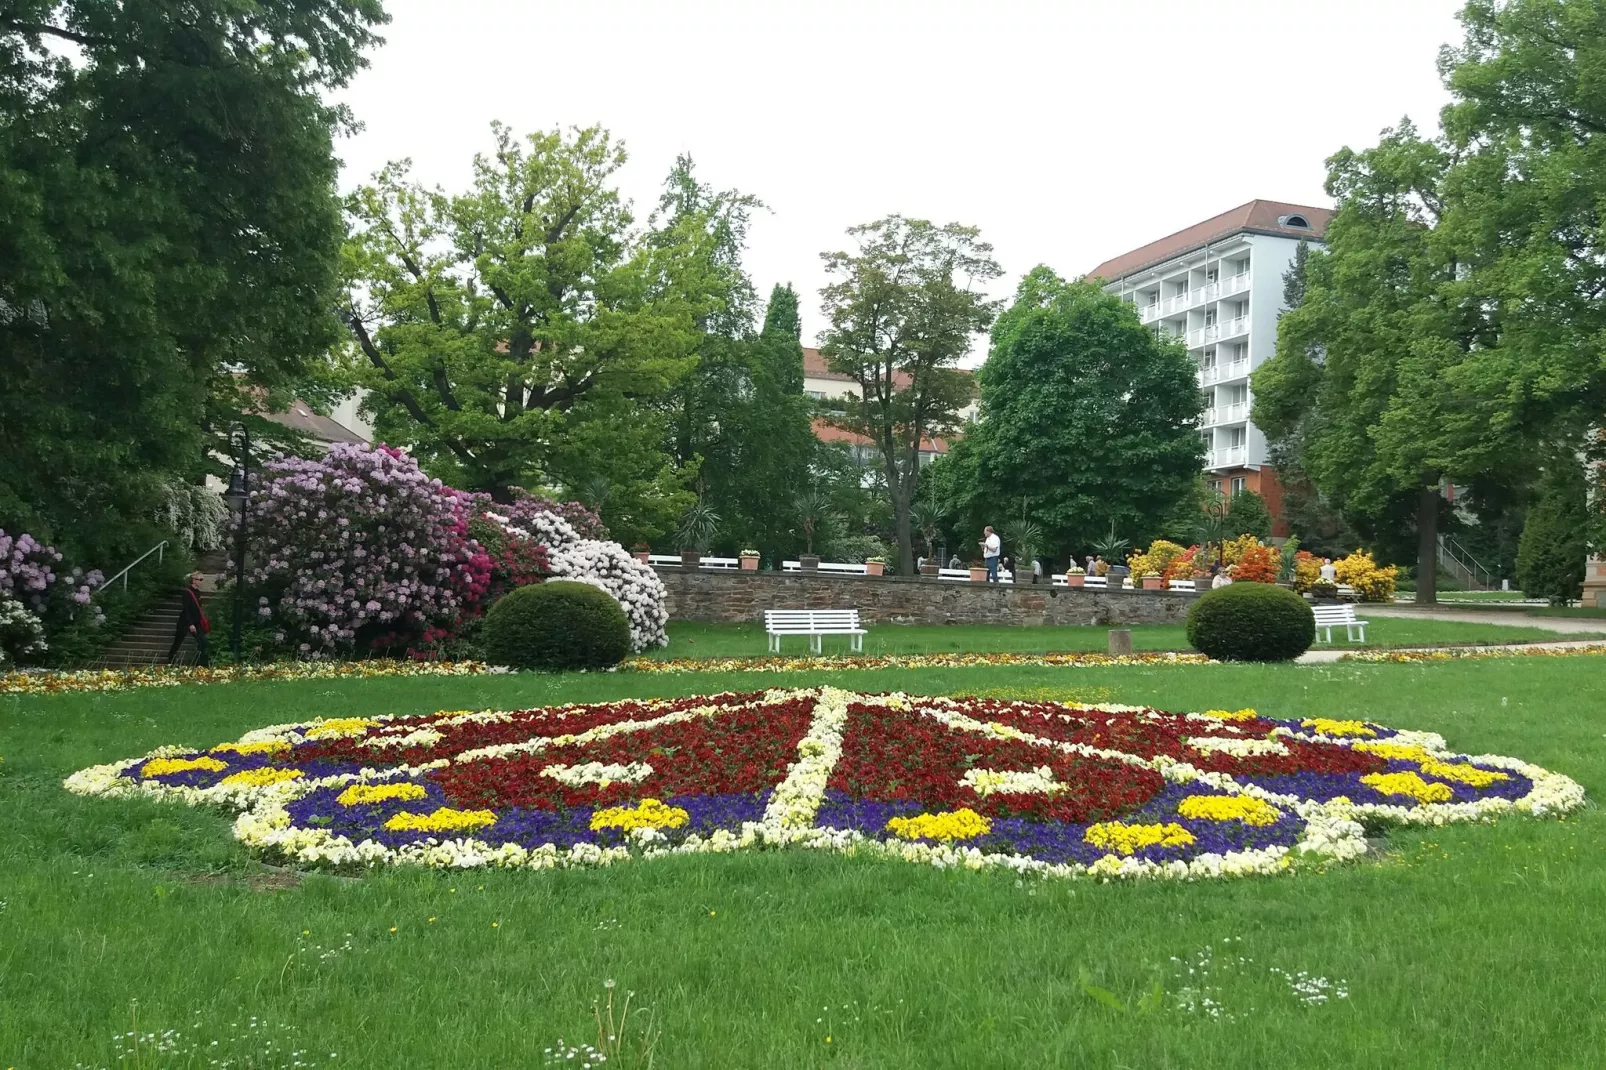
1410 785
261 778
961 824
1127 839
340 726
1243 808
166 766
444 819
647 814
1232 715
271 746
1462 773
363 794
1395 751
1327 726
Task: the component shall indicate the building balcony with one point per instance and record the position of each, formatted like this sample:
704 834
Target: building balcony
1235 327
1226 414
1199 295
1227 457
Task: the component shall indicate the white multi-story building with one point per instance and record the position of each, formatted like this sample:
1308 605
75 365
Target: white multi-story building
1218 286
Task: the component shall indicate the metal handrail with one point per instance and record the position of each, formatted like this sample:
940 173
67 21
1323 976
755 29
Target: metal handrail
158 550
1453 552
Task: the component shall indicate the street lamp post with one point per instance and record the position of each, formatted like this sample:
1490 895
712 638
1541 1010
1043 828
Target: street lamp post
239 496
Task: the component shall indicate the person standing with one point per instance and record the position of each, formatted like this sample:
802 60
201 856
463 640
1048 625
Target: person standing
1329 571
1091 561
191 621
991 547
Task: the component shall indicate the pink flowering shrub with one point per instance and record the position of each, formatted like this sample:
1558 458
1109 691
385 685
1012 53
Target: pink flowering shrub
525 507
29 575
361 545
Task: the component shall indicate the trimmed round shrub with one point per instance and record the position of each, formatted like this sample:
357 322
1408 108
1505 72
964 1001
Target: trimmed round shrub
1251 622
560 624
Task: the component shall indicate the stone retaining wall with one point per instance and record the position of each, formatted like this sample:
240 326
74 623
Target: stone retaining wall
730 596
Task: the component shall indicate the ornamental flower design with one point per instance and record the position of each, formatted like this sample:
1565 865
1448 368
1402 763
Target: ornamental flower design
1059 789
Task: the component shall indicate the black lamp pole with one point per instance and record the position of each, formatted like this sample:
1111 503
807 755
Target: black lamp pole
243 494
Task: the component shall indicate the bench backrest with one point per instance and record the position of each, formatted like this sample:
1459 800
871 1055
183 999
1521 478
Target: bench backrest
805 619
1344 614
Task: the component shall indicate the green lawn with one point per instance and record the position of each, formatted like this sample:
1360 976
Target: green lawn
692 640
1569 611
1461 946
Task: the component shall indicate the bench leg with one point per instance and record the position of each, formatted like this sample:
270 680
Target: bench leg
1362 628
858 644
814 644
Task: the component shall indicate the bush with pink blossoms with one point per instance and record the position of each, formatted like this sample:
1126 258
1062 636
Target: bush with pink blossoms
359 545
30 574
525 506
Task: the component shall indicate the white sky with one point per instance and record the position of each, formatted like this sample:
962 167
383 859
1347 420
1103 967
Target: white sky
1068 132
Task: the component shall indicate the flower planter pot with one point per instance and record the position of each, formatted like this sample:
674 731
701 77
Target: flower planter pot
930 568
1153 583
1075 581
749 563
691 560
809 562
978 575
640 555
874 568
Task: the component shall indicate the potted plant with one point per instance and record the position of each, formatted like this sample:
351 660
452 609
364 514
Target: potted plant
812 510
1024 537
1075 577
1151 581
926 520
697 530
641 551
1110 548
875 566
749 560
978 570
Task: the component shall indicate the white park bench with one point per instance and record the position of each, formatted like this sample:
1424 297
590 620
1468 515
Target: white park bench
1330 617
813 623
839 567
962 575
673 561
1182 585
1347 593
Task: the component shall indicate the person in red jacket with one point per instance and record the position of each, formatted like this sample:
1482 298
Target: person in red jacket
191 621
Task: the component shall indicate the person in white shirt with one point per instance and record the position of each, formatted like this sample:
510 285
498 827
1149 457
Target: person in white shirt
1221 578
991 547
1329 572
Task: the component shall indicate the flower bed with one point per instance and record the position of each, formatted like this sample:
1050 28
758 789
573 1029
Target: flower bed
1054 788
778 663
52 683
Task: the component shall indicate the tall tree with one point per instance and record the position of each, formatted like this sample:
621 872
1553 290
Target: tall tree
520 333
1551 552
169 232
1086 414
1367 367
902 311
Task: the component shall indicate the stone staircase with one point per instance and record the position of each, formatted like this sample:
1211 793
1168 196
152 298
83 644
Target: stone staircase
146 642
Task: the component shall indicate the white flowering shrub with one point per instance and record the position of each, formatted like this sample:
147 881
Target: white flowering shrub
635 586
22 633
197 517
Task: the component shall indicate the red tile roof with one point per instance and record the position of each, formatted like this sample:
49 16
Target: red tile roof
828 432
1256 217
815 366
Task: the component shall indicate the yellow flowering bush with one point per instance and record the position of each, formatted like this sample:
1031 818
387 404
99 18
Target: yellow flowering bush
1372 583
962 824
647 814
1121 838
1249 810
444 819
367 794
1410 785
1156 559
1233 550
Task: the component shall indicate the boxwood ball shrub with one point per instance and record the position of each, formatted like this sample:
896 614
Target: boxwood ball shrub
560 624
1251 622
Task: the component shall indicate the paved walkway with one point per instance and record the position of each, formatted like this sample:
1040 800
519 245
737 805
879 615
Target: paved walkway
1327 655
1512 617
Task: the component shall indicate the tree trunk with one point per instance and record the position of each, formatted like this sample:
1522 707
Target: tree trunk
1427 544
906 548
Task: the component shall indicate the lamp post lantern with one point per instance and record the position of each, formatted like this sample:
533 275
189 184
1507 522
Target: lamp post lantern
239 497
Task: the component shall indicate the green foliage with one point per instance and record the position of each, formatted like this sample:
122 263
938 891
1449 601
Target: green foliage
557 625
512 334
1251 622
1551 552
1247 515
697 528
902 311
169 230
1087 414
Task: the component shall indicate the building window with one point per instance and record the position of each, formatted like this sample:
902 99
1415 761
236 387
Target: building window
1238 483
1297 222
1210 317
1241 267
1209 358
1212 274
1215 485
817 395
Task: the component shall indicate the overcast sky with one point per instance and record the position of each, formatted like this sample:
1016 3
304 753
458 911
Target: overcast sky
1068 132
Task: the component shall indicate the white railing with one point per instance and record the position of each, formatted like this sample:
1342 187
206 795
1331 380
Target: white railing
1150 313
1234 284
1236 370
1201 336
1226 414
1234 327
673 561
1228 457
158 550
963 574
1209 373
839 567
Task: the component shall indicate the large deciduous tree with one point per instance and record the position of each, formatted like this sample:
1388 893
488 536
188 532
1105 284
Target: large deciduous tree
520 333
169 233
1086 415
902 311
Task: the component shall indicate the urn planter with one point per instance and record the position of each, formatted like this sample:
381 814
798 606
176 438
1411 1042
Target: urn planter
749 562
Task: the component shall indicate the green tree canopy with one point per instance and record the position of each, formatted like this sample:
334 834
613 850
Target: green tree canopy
169 231
1247 515
521 334
1087 415
902 311
1551 552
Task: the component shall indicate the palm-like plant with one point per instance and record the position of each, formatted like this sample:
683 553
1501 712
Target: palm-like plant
926 520
1112 547
812 509
697 528
1023 538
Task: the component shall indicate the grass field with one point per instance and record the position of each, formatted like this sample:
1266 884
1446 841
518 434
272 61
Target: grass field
1459 946
692 640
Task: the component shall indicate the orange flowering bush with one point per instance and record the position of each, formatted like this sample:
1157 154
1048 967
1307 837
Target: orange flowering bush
1156 560
1257 564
